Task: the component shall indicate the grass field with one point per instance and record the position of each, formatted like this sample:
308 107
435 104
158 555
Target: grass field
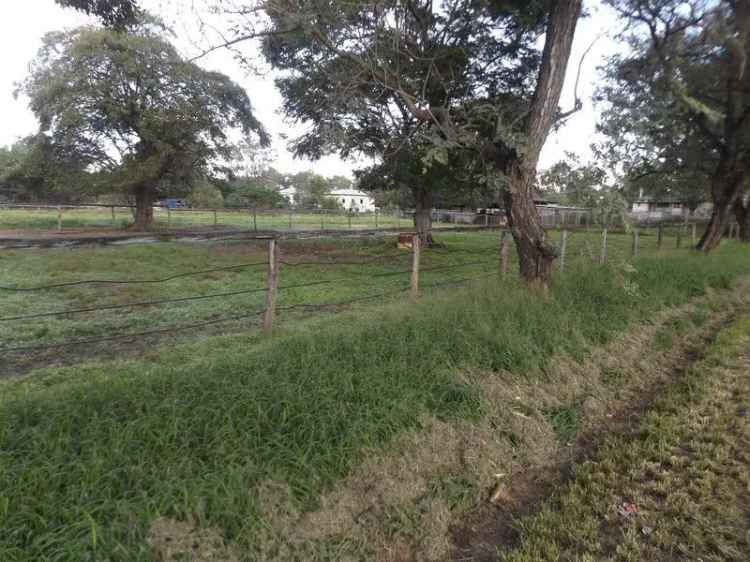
102 218
96 456
676 488
356 269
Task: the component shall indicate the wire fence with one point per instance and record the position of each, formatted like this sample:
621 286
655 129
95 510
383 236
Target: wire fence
401 271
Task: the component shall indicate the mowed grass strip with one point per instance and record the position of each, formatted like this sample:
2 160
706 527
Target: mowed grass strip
677 488
91 455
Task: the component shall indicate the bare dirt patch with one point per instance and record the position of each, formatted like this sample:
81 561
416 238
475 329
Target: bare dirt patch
179 541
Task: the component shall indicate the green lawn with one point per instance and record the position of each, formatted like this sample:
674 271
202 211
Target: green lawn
93 454
357 268
47 219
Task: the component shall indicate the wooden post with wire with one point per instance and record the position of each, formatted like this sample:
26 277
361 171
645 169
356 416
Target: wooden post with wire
272 286
415 244
563 247
603 254
503 253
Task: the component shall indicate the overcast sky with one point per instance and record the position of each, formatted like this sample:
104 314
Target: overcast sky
23 23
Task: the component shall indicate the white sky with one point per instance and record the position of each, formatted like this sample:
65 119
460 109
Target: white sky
23 23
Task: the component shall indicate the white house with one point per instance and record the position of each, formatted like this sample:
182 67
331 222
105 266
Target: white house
354 200
290 192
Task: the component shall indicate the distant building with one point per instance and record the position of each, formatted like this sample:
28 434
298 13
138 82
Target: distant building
290 193
354 200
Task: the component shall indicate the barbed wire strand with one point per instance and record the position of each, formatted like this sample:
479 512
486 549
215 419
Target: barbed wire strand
132 281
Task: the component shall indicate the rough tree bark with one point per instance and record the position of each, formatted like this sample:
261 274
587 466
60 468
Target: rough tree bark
536 254
423 216
726 188
144 206
741 210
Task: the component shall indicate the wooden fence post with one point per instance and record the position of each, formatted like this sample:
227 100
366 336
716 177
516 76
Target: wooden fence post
169 217
636 243
114 218
349 216
291 212
272 287
694 237
415 268
603 254
678 242
216 218
255 219
322 220
503 253
59 218
563 246
659 236
376 218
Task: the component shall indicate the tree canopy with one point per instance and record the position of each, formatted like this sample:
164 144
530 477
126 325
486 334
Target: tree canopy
117 14
458 75
127 106
681 99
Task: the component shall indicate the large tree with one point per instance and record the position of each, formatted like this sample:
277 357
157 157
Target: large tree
127 106
689 61
449 67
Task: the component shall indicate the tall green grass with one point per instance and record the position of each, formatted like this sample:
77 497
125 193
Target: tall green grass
90 455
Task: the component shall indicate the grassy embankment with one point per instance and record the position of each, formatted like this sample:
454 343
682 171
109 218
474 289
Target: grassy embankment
91 455
676 488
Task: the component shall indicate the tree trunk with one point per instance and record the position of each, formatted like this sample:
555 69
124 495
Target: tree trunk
726 188
423 216
144 207
535 253
741 210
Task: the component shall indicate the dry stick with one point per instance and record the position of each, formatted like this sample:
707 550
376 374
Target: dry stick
59 218
503 254
603 255
415 268
273 286
563 246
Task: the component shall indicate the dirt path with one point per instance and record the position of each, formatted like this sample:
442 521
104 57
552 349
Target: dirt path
675 488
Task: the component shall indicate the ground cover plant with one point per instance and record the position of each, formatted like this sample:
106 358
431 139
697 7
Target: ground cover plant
92 455
675 488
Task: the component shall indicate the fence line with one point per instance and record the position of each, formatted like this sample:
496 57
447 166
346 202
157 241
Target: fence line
275 265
